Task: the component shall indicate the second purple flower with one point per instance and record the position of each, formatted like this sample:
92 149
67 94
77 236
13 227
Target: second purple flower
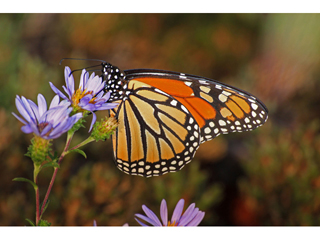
90 95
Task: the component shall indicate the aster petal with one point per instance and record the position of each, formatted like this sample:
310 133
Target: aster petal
72 120
141 223
90 107
151 215
19 118
94 118
57 91
46 129
69 81
57 130
34 128
99 95
177 211
51 115
62 124
94 85
54 102
60 115
26 129
29 110
188 215
93 74
67 91
83 79
64 103
107 96
66 126
197 219
164 212
34 108
21 109
147 219
107 106
85 100
26 107
100 85
42 104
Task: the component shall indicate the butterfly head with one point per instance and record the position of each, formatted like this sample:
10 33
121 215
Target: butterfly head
115 81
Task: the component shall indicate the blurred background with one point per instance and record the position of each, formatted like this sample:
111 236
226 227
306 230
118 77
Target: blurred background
268 177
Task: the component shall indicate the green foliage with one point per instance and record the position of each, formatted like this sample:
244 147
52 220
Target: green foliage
78 151
285 181
21 179
30 222
44 223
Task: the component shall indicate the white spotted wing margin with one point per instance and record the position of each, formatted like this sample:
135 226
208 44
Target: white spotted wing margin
156 133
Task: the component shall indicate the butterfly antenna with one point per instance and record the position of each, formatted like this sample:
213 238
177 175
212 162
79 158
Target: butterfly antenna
81 59
90 70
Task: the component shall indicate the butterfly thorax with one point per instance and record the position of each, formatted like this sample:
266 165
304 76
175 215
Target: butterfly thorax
116 82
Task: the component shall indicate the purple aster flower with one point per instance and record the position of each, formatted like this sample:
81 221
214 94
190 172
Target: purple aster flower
89 96
47 124
191 217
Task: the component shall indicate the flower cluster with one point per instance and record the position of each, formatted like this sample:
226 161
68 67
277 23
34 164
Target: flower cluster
61 116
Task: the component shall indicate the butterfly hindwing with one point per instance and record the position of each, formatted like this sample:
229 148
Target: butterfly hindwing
156 133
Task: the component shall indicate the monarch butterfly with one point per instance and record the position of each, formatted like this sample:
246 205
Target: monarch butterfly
164 116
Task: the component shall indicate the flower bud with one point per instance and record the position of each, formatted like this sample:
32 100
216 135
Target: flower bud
104 129
39 149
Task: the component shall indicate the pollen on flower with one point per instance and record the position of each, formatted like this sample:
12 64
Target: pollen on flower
172 224
78 95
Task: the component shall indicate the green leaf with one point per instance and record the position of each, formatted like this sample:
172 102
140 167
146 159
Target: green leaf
53 157
53 164
79 151
21 179
44 223
31 223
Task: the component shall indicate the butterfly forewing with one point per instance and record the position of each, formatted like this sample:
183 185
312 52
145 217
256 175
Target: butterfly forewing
218 108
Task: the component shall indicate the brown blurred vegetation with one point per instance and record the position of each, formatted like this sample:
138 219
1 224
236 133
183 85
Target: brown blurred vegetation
270 176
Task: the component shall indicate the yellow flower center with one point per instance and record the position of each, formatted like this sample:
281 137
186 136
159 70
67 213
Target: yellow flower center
172 224
78 95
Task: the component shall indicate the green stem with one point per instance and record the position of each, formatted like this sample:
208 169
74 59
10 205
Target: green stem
88 140
35 178
69 138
